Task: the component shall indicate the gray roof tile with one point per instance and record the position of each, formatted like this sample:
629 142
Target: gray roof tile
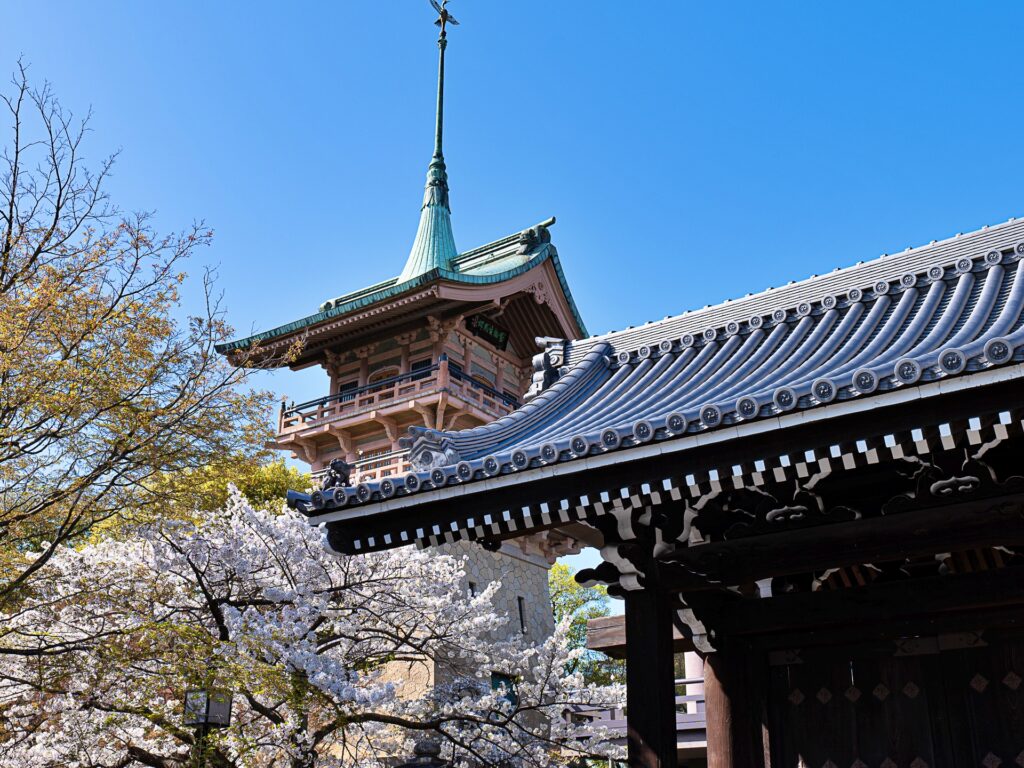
947 309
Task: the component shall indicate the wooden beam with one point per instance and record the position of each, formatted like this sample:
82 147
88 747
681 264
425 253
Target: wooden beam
883 637
608 635
442 403
426 412
453 418
389 424
971 524
650 681
307 448
910 604
344 438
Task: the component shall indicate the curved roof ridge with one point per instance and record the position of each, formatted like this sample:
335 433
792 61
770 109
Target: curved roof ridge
507 239
390 288
815 287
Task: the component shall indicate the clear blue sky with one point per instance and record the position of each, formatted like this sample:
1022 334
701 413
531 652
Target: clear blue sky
692 152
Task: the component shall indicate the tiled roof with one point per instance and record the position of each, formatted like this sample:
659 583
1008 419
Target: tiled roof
812 289
946 310
495 262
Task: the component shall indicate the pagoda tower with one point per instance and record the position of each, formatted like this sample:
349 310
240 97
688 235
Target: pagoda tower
450 343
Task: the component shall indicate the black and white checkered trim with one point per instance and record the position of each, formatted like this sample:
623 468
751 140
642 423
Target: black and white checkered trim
793 467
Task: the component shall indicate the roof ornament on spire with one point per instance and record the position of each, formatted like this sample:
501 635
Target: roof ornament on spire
444 17
434 246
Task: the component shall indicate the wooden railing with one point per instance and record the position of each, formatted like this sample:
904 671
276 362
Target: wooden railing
691 718
393 464
437 378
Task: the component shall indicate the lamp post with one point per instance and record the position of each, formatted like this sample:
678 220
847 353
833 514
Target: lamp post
205 709
427 755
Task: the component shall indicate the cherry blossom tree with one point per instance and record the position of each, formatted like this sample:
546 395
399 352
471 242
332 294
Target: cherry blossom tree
332 660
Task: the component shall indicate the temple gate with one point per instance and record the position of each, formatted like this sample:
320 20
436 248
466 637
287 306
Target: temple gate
821 486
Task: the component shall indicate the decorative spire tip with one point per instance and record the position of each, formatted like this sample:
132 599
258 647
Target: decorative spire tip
434 246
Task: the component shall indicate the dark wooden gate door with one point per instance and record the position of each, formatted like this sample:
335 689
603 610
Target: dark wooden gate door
949 709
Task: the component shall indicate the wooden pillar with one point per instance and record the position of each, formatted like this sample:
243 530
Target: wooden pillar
499 372
650 680
442 372
404 341
734 696
467 356
363 356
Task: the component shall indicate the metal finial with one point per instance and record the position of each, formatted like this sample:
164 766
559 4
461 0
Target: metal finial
444 17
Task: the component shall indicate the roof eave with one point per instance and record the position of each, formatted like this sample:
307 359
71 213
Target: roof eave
902 402
289 332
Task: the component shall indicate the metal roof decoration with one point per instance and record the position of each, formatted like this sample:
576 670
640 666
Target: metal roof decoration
434 246
903 324
433 255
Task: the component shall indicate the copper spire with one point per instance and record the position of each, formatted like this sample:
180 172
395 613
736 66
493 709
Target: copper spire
434 246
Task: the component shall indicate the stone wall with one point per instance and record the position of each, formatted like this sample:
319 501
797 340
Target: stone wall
523 578
412 679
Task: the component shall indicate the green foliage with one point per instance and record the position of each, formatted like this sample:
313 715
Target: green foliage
105 383
263 482
571 600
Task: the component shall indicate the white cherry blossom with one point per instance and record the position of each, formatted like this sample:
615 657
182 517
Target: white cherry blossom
332 660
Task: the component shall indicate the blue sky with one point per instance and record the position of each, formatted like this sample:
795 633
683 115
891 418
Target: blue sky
692 152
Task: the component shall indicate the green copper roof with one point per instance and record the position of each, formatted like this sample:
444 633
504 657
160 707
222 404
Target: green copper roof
434 246
489 264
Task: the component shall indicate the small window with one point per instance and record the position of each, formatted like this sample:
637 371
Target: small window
420 369
483 376
472 589
506 685
383 374
347 389
455 370
522 614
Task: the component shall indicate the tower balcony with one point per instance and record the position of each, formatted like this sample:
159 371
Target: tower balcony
435 396
373 467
